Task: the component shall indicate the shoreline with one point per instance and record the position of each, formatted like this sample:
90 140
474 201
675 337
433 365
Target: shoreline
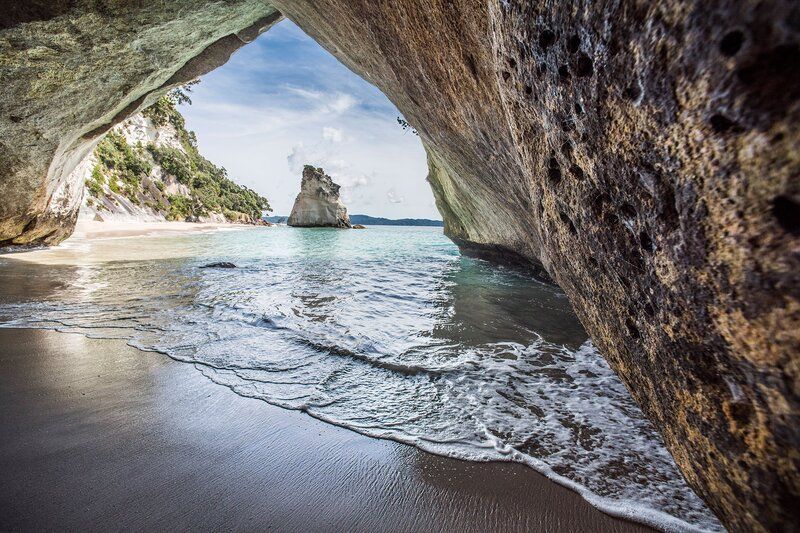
96 432
77 249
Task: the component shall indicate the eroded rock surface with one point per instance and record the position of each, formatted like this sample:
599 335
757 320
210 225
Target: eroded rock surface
72 70
642 154
318 204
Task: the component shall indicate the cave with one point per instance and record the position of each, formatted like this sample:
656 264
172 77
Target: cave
670 218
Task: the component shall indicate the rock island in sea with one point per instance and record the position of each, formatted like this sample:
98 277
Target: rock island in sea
318 204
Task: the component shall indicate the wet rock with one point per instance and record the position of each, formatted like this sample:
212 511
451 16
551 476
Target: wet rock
219 264
359 226
318 204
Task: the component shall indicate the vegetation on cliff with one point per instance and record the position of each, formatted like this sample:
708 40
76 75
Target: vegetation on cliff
126 169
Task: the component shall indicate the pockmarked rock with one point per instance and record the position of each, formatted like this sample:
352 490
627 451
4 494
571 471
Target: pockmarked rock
643 155
318 204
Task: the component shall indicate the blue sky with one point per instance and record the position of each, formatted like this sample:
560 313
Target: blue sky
282 102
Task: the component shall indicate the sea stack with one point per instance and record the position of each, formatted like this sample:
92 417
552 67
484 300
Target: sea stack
318 204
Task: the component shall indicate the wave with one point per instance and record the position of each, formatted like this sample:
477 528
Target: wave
449 355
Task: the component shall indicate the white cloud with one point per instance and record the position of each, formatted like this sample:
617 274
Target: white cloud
309 94
282 103
297 158
332 134
341 103
340 170
393 198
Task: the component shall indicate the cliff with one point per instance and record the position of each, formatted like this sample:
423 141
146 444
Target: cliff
148 168
643 155
318 203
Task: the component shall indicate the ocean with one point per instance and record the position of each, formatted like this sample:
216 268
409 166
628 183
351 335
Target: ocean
388 331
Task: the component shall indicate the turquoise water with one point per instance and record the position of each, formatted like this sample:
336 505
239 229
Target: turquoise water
386 331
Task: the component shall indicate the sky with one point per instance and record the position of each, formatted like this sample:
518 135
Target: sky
282 102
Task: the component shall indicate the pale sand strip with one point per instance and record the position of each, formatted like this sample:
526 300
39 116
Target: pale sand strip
90 229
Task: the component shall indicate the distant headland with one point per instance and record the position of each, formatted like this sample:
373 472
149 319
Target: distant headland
367 220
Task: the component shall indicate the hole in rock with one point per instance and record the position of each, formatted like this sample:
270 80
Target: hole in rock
723 124
632 92
646 242
566 220
633 331
584 66
573 44
787 212
772 79
563 73
627 211
546 39
668 210
598 203
473 69
740 412
307 109
731 43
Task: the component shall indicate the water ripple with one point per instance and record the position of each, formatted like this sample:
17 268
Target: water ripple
388 332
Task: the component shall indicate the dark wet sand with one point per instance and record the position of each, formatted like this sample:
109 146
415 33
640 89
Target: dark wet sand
97 435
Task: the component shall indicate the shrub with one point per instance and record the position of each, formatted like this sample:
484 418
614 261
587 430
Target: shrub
173 161
179 207
95 188
97 174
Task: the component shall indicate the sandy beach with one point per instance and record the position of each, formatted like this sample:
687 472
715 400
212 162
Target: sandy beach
91 229
98 435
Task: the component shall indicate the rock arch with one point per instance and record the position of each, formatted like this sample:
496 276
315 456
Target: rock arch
642 154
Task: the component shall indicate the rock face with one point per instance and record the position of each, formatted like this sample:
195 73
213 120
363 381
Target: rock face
72 70
318 204
641 154
148 168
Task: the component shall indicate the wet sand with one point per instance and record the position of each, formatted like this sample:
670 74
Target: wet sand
95 434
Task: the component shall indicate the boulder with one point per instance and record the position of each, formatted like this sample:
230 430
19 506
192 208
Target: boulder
219 264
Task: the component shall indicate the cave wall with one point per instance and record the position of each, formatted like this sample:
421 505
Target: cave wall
641 154
71 70
645 155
